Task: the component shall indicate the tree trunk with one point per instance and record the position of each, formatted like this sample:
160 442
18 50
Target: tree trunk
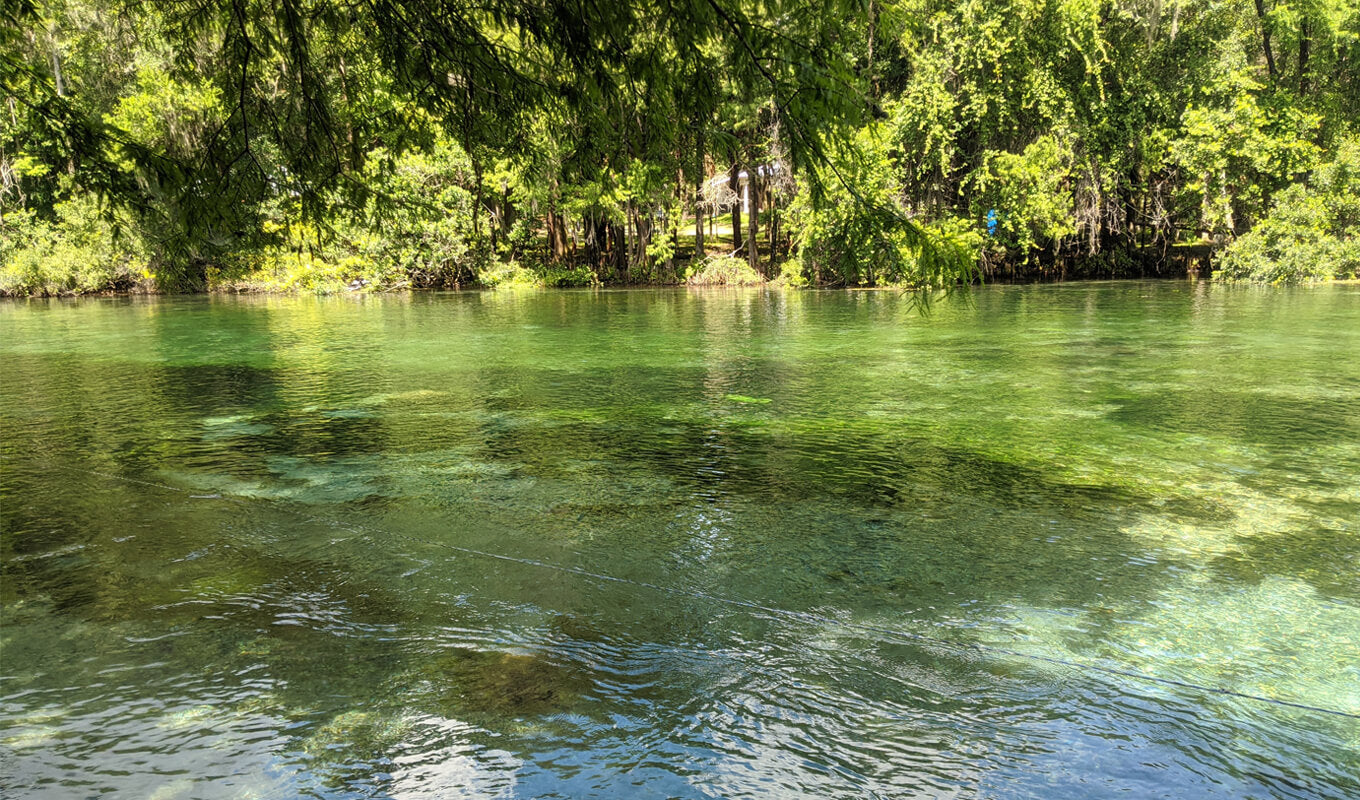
597 246
495 226
873 34
698 227
773 228
734 181
56 65
698 199
588 241
557 236
1305 45
477 202
620 251
507 212
640 221
1265 36
753 219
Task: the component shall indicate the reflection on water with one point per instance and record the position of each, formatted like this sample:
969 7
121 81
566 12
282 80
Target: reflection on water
244 544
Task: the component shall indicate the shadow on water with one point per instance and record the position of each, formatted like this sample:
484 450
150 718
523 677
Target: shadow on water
1328 559
886 483
894 485
1245 416
706 453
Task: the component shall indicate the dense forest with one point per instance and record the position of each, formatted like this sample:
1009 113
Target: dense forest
380 144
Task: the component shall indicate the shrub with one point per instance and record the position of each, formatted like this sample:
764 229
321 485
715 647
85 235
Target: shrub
80 251
1312 232
723 271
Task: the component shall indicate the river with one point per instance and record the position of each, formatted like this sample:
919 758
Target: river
1059 541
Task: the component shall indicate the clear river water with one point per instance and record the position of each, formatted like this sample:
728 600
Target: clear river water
1067 541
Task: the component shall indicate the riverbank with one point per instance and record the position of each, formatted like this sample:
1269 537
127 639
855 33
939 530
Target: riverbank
724 272
93 258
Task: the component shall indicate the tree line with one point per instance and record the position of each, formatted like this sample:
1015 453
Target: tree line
321 144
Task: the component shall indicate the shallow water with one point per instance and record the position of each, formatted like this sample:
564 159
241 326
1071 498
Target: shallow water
683 544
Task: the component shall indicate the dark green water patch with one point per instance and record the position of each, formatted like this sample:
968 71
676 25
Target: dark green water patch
1244 415
1326 559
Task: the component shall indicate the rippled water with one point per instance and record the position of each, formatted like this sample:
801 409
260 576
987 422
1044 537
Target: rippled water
683 544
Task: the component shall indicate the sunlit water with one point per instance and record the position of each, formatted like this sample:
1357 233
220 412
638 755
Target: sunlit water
248 545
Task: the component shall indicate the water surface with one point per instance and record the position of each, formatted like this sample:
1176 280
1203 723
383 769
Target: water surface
683 544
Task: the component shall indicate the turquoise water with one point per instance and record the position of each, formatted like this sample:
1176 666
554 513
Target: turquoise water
683 544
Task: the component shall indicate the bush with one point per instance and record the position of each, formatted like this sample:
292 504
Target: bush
1312 232
81 251
414 230
723 271
514 275
1030 194
562 277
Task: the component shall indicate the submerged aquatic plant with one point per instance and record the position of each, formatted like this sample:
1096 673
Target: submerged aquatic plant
488 682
